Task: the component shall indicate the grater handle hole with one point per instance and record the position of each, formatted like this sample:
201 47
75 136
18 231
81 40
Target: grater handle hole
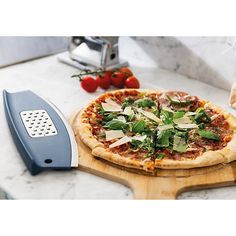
48 161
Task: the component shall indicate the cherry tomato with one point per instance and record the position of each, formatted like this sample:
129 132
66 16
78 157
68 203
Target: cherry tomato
104 81
132 82
118 79
126 71
89 84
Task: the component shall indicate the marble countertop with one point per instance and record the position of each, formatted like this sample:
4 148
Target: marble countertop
51 79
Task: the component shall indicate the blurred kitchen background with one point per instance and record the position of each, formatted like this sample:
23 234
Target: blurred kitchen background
208 59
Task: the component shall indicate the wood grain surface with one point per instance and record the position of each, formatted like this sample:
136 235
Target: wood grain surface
166 184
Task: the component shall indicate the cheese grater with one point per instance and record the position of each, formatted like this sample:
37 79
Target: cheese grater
42 135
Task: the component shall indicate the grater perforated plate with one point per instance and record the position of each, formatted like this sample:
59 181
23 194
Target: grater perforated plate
38 123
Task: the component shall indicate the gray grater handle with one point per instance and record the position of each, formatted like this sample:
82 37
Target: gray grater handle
42 136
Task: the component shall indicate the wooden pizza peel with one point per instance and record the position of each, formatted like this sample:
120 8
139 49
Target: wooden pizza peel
166 184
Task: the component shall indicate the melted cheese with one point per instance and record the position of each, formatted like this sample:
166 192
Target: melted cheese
139 138
182 120
190 113
128 111
127 139
190 149
121 118
214 116
165 108
165 127
119 142
111 102
149 115
110 105
114 134
187 126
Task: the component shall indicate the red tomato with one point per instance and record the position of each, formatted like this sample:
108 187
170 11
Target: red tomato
126 71
118 79
132 82
89 84
104 81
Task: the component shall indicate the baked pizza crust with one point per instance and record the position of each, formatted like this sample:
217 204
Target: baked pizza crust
206 159
85 132
118 159
225 155
232 121
217 109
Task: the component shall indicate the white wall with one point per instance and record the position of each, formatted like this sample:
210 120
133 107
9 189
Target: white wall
17 49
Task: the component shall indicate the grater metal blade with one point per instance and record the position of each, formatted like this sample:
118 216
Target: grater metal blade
42 135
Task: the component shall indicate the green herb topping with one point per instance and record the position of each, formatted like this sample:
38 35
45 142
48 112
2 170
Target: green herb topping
208 135
175 130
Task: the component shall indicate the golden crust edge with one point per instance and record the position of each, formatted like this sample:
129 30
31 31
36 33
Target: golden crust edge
120 160
201 161
209 158
218 109
230 150
232 121
84 131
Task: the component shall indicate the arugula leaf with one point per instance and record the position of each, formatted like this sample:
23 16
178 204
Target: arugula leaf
127 102
166 117
199 109
208 135
131 117
155 110
201 116
139 126
102 111
201 126
116 125
178 114
102 122
136 143
149 144
160 156
179 102
145 102
110 116
163 138
148 132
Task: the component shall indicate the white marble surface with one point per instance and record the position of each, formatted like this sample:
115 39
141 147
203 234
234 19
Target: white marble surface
52 79
208 59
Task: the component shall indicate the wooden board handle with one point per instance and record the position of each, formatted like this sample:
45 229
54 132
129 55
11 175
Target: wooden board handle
154 188
162 195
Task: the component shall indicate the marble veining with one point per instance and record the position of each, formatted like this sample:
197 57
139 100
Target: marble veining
208 59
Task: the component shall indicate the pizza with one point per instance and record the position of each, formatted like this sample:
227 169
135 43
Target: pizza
150 129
